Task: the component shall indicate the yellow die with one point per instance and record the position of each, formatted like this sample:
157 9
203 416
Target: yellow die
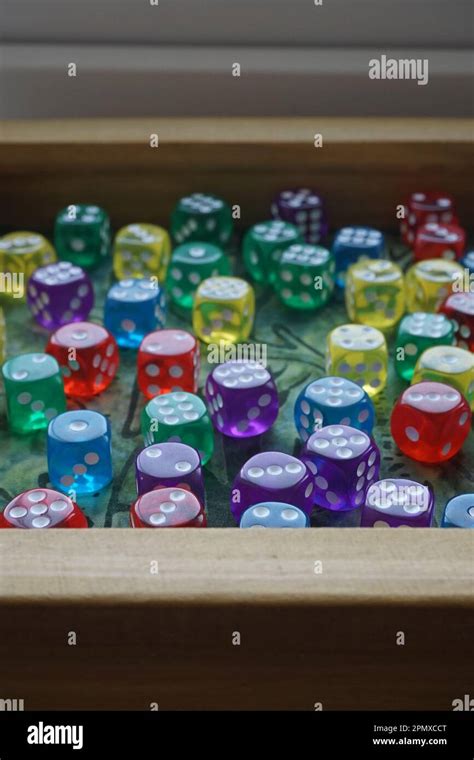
375 293
429 282
3 337
224 309
20 254
447 364
141 250
358 352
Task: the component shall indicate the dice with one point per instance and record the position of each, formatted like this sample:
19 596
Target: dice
224 310
20 254
358 353
42 508
375 293
59 294
459 512
82 235
332 401
447 364
242 398
274 514
416 333
180 417
34 391
443 241
354 243
79 452
429 282
398 503
305 276
192 263
304 208
141 250
134 308
3 337
459 307
430 422
263 246
169 465
423 207
167 508
168 360
202 217
344 462
269 476
468 263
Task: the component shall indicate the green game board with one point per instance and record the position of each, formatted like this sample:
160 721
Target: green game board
295 352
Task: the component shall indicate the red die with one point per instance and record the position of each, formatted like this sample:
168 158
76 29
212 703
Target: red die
430 422
439 241
168 360
459 307
167 508
423 208
42 508
88 356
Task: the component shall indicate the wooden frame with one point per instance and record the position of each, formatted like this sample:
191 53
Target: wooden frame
321 614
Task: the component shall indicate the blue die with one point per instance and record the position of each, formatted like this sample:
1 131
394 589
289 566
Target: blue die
354 243
468 261
459 512
333 401
79 452
133 309
274 514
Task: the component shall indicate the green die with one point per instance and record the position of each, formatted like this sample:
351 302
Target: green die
263 245
416 333
202 217
190 264
82 235
34 391
305 276
179 417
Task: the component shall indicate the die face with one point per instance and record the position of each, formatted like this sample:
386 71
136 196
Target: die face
424 207
445 241
354 243
167 508
134 308
263 246
82 235
375 293
459 307
333 401
305 276
141 250
42 508
447 364
202 217
358 353
459 512
274 514
164 465
304 208
398 503
416 333
20 254
34 391
59 294
79 452
224 309
180 417
344 462
96 358
430 422
242 399
192 263
429 282
270 475
168 360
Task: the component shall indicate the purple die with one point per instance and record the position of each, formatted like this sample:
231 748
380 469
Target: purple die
272 476
59 294
167 465
344 462
305 209
242 398
398 504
